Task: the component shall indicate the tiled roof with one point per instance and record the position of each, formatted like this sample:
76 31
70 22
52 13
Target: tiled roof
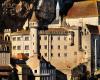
22 32
54 31
83 9
48 31
33 18
33 62
21 56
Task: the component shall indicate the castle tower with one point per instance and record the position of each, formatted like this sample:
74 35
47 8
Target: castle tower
7 33
34 34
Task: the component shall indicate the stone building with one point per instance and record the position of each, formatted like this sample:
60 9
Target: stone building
20 42
65 45
5 66
82 13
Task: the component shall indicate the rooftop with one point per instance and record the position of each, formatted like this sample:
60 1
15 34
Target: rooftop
49 30
83 9
31 60
20 56
21 32
54 31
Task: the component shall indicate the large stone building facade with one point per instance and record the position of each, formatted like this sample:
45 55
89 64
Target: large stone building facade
65 44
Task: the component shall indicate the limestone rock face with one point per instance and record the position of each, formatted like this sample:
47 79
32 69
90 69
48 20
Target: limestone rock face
47 11
14 13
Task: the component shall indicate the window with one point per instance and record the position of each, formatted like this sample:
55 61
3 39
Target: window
58 54
65 46
26 47
65 38
51 46
58 46
85 47
45 46
45 38
35 71
65 54
45 54
26 38
19 47
14 38
85 31
51 54
75 53
5 38
18 38
14 47
33 35
8 38
58 38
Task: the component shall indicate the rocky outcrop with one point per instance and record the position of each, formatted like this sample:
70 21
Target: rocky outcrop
14 13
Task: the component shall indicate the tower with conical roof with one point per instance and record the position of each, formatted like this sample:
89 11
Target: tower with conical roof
33 25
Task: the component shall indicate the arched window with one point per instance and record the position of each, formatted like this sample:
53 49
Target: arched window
7 38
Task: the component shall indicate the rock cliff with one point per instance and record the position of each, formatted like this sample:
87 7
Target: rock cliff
14 13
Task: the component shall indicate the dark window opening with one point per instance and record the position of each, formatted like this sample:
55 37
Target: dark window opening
45 54
58 46
58 38
45 46
19 38
26 38
85 47
45 38
65 46
65 54
51 46
58 54
51 54
75 53
35 71
19 47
